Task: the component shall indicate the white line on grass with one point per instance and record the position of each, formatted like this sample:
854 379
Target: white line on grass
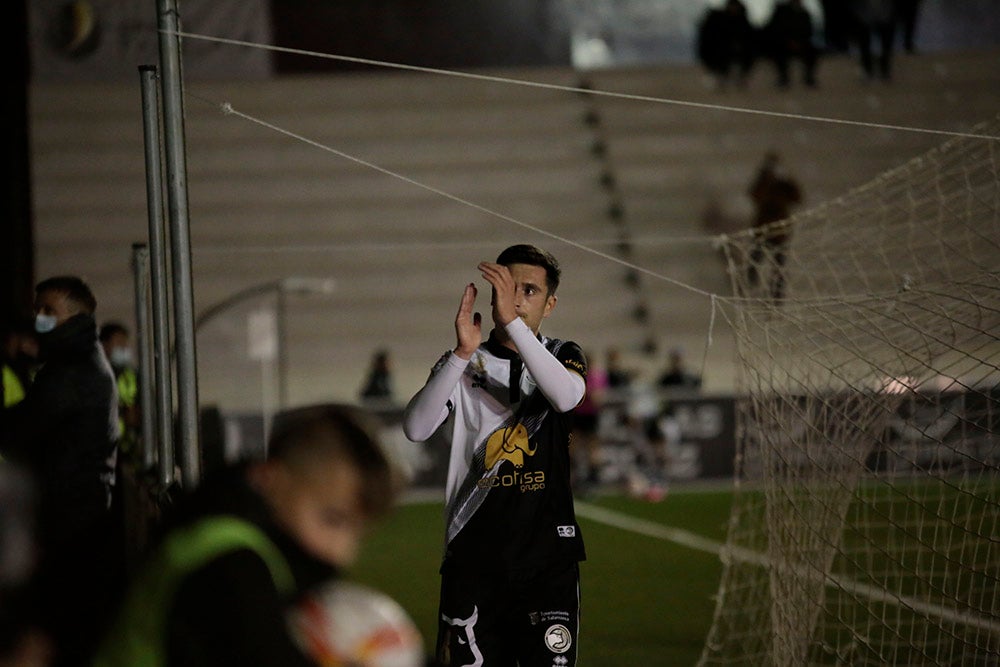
726 552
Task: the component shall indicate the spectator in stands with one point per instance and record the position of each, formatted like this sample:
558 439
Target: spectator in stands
586 442
64 433
837 26
875 19
726 40
378 388
241 548
114 337
774 195
788 36
676 375
619 377
907 12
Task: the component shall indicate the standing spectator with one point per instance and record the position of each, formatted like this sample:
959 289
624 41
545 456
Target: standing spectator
676 375
908 11
586 443
619 377
726 41
241 548
788 36
773 195
378 387
114 337
875 18
64 433
510 576
837 26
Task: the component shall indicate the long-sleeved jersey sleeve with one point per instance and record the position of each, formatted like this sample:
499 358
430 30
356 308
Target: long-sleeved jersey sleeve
564 388
428 408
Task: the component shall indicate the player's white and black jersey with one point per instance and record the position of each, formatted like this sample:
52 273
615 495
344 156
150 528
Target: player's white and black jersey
509 500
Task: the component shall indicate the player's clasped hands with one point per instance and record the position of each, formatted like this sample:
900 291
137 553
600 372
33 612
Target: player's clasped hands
504 290
468 324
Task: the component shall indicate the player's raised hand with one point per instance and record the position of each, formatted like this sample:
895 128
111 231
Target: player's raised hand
468 325
504 291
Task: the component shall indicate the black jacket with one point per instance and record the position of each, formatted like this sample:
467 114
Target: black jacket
64 431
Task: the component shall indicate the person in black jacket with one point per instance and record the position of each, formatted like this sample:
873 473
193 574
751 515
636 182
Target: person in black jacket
64 434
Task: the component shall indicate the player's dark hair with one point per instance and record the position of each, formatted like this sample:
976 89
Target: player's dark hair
110 329
73 287
529 254
302 436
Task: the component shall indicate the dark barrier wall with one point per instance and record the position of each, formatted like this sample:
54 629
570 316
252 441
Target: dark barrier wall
941 432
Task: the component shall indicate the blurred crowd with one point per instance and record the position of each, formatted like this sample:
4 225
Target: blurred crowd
729 45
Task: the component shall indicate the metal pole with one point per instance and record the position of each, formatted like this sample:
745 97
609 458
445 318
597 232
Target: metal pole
140 269
164 410
281 308
180 243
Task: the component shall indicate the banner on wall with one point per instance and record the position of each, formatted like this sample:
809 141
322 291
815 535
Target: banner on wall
107 40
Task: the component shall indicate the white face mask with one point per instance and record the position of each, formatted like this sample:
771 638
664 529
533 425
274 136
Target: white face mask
45 323
120 356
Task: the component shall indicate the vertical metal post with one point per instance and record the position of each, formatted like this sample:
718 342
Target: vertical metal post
140 275
180 243
162 371
282 353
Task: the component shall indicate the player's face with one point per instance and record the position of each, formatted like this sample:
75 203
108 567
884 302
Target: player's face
531 298
321 509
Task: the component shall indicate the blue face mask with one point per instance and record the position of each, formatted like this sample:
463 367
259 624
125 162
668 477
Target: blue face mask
44 323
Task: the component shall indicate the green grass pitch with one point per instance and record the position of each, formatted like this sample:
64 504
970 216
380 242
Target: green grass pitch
646 600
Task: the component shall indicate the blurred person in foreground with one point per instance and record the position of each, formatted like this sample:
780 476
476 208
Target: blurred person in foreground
510 574
242 548
64 435
22 642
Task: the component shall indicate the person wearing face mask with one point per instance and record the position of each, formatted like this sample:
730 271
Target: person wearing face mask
65 433
114 337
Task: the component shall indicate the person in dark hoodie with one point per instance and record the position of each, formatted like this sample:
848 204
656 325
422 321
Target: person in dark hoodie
64 434
241 549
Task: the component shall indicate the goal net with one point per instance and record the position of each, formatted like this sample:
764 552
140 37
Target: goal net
866 524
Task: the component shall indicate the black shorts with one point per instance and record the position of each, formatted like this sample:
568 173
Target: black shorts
486 618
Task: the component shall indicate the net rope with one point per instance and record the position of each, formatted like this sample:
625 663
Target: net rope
869 431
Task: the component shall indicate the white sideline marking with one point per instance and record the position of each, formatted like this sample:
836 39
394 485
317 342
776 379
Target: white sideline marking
651 528
725 552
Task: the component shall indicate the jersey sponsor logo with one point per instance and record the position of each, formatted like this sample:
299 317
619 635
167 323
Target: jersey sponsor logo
558 638
527 481
552 616
576 365
508 444
566 531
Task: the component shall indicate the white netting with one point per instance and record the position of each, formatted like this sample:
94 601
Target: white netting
866 528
